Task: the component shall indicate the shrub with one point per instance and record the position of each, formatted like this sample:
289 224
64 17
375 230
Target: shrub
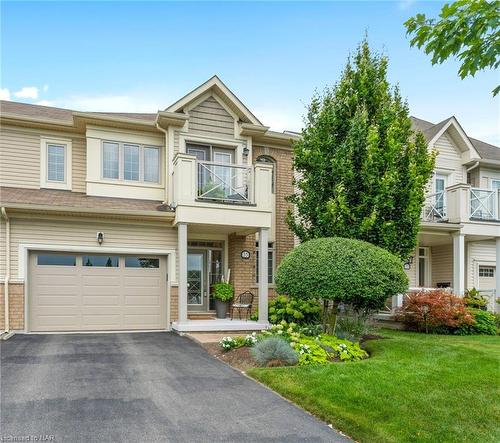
343 270
484 323
223 291
343 350
353 326
473 299
283 329
434 311
274 351
302 312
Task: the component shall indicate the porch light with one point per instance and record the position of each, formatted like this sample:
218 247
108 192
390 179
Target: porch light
100 237
246 151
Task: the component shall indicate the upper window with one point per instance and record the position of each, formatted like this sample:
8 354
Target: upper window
55 163
131 162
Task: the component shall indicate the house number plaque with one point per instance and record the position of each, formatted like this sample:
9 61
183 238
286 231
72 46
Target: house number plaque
245 255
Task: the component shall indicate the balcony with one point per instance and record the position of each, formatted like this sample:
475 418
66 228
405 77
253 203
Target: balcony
225 183
462 203
210 193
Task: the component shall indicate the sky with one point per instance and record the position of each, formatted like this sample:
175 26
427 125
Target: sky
143 56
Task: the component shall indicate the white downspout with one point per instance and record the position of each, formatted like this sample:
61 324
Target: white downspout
7 270
167 163
474 166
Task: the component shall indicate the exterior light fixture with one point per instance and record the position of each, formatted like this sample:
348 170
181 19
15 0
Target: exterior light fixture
100 237
246 151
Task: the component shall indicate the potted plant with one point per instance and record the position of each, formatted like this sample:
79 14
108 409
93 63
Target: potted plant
223 292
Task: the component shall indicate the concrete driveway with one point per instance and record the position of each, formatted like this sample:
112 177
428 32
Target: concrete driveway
144 387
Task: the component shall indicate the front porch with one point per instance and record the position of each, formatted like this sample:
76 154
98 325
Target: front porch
219 325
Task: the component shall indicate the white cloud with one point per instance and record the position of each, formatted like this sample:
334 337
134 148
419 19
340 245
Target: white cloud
45 103
27 92
111 103
4 94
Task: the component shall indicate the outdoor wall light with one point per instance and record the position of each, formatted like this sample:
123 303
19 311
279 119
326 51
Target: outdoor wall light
246 151
100 237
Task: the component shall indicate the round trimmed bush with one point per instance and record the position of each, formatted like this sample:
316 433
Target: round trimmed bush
343 270
274 351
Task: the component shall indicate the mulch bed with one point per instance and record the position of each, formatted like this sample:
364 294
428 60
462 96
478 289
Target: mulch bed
240 358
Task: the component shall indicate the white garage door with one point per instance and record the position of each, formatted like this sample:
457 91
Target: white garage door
85 292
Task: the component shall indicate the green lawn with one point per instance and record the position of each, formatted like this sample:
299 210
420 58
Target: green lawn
414 388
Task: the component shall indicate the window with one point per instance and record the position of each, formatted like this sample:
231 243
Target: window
266 159
56 260
486 271
423 267
55 162
151 164
103 261
270 263
131 162
110 160
142 262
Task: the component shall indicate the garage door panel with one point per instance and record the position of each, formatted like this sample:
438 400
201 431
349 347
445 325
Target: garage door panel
101 300
142 300
72 298
57 300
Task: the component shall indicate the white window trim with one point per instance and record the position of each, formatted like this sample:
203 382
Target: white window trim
121 164
68 155
237 145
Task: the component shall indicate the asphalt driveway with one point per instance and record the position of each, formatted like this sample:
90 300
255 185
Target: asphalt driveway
145 387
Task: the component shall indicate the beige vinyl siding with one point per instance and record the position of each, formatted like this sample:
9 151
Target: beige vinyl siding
176 141
479 252
20 157
412 272
442 264
210 118
82 232
79 161
449 159
486 176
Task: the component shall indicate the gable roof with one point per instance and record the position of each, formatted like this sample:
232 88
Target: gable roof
216 85
430 130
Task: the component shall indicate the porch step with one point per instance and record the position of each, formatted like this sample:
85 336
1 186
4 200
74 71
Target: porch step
201 316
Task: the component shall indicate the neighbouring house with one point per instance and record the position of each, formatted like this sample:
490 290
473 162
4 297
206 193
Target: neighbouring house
459 239
123 221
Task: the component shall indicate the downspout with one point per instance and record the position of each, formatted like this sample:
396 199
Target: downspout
167 163
7 270
474 166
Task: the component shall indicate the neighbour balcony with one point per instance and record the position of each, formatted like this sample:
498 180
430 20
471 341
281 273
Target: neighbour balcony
462 203
207 192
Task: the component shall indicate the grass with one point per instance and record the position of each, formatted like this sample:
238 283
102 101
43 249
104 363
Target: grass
414 388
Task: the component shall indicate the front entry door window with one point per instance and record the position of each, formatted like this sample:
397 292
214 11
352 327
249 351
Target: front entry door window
197 295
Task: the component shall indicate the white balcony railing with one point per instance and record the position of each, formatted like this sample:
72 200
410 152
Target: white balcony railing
434 208
462 203
223 182
484 203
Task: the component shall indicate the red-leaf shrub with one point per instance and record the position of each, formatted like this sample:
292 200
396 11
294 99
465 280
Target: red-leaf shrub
434 311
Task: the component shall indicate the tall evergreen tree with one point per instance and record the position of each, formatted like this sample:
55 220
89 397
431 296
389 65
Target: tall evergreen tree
363 171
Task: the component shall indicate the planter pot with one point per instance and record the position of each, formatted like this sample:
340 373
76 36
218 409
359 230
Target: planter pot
220 308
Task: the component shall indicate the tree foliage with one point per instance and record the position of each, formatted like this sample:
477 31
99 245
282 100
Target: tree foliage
343 270
363 171
466 29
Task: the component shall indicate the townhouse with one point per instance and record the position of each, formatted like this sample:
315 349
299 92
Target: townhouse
124 221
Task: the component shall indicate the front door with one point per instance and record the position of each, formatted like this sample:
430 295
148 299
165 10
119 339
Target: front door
196 279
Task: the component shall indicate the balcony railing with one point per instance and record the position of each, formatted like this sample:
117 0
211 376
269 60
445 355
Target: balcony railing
484 203
435 207
462 203
223 182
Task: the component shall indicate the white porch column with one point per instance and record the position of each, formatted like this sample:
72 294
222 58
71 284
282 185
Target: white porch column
459 264
263 284
497 270
182 246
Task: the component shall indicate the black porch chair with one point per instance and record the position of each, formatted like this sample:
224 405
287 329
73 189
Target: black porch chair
244 302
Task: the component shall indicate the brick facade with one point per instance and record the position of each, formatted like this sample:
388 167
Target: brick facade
243 275
16 306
